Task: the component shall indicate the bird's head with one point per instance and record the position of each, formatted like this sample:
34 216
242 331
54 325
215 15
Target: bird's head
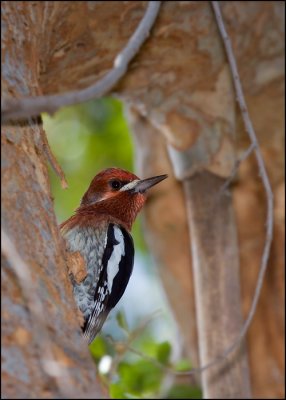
117 193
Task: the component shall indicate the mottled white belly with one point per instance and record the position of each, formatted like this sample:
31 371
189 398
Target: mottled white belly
91 244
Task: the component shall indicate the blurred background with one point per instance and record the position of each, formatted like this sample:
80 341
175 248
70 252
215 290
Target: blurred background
140 335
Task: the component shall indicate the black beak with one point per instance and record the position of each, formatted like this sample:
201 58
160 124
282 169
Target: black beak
145 184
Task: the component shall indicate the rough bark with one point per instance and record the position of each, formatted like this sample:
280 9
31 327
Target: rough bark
28 219
180 82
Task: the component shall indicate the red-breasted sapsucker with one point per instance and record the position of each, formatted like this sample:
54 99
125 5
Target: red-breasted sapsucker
100 232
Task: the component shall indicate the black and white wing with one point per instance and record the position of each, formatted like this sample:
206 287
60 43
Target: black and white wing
117 265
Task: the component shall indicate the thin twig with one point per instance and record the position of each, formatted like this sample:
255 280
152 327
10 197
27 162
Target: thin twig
40 333
237 163
52 160
165 368
264 177
124 346
33 106
141 327
151 359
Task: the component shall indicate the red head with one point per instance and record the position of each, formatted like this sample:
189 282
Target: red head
117 194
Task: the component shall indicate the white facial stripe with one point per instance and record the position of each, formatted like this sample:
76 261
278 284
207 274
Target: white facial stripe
99 199
117 253
129 185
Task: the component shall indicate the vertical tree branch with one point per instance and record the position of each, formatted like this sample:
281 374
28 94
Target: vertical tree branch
217 288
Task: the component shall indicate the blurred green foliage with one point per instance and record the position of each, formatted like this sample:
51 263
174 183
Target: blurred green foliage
143 375
86 139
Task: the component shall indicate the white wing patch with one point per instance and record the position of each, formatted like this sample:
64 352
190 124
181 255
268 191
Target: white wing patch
115 258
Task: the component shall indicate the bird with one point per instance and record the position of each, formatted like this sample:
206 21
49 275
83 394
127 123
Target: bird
100 233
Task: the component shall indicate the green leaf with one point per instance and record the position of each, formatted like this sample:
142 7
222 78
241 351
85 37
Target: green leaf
121 320
98 348
183 365
116 391
164 352
141 377
184 392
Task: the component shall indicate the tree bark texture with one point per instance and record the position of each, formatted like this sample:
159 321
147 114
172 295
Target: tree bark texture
179 82
28 219
217 286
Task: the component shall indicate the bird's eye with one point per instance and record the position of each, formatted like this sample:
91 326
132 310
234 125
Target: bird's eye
115 184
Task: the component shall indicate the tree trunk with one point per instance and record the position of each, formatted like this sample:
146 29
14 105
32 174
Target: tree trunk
29 370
